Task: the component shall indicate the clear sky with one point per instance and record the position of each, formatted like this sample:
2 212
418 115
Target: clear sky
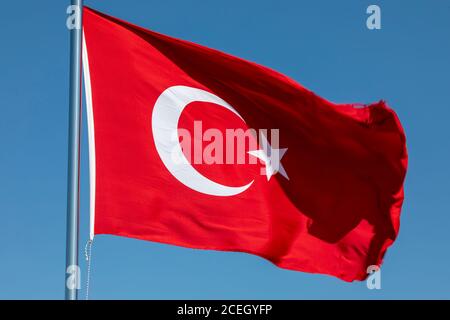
324 45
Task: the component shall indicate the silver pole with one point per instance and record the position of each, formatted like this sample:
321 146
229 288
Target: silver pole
72 269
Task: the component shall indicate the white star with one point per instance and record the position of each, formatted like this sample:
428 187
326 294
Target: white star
271 157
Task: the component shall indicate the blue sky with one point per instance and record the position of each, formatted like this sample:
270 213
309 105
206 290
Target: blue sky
324 45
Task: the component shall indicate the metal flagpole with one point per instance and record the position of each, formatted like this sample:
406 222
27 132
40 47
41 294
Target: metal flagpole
72 270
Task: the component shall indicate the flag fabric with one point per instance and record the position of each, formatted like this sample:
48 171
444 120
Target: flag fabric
193 147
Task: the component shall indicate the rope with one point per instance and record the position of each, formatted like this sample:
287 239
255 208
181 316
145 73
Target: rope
88 256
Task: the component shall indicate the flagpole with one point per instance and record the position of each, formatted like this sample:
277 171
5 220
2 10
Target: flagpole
72 269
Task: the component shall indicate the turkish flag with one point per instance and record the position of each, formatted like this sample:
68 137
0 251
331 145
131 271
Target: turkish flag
315 187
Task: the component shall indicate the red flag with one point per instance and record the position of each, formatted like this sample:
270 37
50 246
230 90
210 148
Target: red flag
194 147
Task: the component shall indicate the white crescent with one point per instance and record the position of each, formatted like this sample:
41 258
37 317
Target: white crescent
166 114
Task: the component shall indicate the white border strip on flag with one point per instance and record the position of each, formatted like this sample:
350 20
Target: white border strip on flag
91 137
